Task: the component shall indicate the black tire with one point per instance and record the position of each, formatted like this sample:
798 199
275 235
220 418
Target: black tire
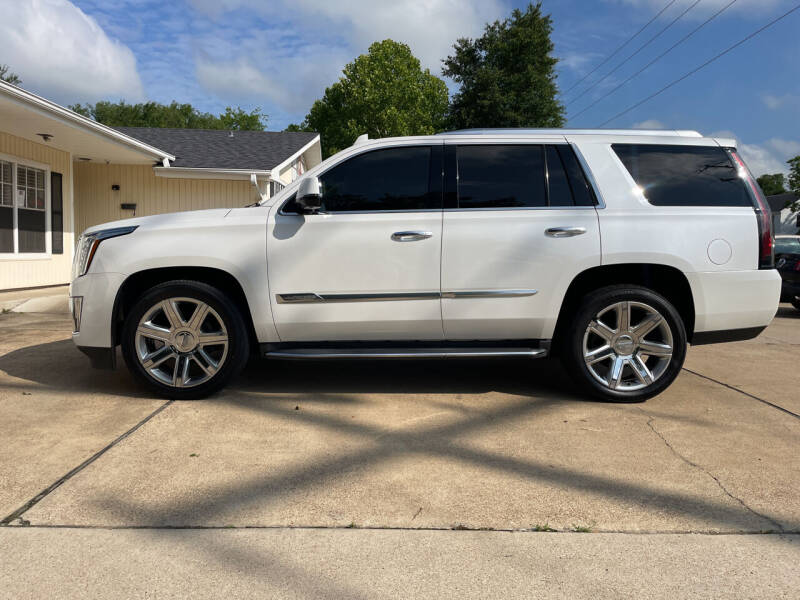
594 303
233 360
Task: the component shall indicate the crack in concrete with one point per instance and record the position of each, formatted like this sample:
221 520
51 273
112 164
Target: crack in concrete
17 514
456 528
711 475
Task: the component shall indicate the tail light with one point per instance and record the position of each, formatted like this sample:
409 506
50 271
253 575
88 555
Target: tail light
766 239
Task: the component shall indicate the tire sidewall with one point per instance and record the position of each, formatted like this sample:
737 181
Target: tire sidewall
238 343
592 304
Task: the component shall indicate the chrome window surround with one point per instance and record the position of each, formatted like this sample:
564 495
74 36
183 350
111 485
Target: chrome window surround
313 297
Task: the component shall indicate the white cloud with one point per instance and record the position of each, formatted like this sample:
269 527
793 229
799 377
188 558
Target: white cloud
774 102
650 124
63 54
708 6
769 156
292 74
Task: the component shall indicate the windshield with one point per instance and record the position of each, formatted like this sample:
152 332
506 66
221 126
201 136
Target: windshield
787 245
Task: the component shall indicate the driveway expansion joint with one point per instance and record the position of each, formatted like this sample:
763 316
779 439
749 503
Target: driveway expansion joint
17 514
748 394
721 486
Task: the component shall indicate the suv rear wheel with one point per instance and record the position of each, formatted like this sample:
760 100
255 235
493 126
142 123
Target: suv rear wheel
185 339
626 343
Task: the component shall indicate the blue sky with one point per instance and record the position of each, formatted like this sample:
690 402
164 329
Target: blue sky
281 54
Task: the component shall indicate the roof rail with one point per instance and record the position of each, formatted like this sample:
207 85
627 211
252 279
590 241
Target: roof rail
527 131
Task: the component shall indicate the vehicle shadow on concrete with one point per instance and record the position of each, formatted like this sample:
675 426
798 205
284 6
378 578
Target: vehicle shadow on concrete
61 366
788 312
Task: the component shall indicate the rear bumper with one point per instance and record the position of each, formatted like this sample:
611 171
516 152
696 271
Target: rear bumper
734 301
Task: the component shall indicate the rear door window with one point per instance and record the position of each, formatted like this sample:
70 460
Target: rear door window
671 175
501 176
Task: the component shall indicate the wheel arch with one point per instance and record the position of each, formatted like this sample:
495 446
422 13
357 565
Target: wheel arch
666 280
136 284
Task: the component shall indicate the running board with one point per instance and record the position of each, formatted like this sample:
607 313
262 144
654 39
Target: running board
373 353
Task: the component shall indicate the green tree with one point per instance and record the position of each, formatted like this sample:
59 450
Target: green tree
184 116
382 93
794 182
9 77
507 76
772 184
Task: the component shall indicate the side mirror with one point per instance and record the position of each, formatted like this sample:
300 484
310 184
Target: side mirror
308 195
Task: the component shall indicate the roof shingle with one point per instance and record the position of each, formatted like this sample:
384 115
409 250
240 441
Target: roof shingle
223 149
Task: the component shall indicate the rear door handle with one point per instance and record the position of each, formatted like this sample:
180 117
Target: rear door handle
411 236
560 232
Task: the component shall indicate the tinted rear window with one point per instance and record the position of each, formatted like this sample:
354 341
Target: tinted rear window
684 175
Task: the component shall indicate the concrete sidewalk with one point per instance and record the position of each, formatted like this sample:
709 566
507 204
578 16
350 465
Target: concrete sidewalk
51 300
343 564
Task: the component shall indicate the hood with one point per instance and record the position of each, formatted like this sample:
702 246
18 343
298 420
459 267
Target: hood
165 220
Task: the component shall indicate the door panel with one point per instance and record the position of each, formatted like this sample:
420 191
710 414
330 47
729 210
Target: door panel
508 253
519 226
369 286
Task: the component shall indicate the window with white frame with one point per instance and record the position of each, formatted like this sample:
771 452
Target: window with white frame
23 208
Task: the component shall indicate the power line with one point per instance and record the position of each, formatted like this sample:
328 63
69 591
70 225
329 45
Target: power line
614 53
705 64
659 57
642 47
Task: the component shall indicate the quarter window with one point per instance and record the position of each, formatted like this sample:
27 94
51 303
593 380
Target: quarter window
684 175
386 179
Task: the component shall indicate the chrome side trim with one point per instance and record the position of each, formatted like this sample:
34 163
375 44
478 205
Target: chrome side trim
312 297
490 294
378 353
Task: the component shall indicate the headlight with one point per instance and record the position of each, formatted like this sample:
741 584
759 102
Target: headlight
87 247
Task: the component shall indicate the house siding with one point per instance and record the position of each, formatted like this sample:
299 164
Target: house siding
97 203
47 269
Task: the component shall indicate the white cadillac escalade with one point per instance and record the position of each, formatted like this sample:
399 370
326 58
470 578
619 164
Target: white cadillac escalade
610 249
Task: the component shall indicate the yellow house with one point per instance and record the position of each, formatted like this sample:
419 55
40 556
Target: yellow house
61 173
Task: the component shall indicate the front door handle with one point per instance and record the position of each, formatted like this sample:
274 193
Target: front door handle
560 232
410 236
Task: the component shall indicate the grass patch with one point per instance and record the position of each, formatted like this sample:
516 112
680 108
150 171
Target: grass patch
545 527
583 528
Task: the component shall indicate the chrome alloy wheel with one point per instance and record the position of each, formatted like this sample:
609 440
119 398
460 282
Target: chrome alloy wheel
627 346
181 342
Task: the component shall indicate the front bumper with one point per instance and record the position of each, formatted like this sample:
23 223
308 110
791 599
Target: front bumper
98 292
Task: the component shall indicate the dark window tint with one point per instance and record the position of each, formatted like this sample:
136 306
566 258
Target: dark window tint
497 176
388 179
57 213
581 190
684 175
560 192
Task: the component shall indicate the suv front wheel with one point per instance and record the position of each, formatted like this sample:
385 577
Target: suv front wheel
626 343
185 339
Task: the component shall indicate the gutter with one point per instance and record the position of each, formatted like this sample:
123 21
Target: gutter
210 173
51 109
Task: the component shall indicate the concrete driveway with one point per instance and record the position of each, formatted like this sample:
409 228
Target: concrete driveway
409 479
